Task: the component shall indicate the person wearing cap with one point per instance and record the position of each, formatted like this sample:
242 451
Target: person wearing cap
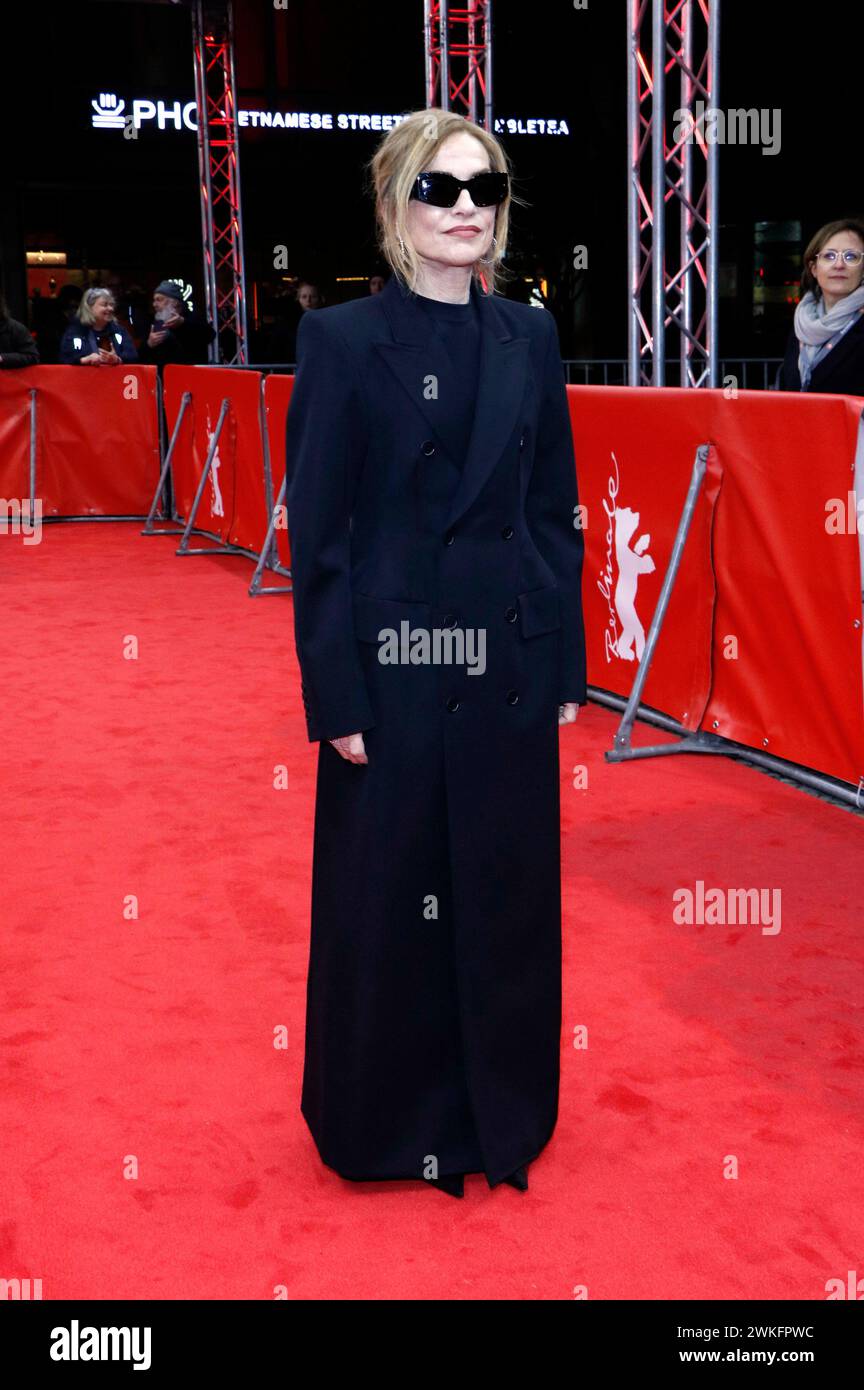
176 335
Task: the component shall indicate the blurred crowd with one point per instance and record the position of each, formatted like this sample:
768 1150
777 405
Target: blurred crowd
102 326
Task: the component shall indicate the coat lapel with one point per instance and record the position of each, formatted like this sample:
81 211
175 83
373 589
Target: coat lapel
416 351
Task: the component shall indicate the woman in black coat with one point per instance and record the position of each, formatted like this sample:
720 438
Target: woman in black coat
825 351
436 566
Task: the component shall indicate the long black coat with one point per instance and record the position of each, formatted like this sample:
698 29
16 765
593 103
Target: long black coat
841 370
434 992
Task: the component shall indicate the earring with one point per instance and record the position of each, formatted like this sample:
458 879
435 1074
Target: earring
402 246
488 260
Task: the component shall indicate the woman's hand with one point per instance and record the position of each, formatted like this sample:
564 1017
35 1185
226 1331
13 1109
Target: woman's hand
108 359
567 714
351 748
91 360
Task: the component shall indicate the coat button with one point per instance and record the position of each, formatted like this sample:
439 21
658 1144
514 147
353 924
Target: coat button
512 697
507 533
522 441
510 614
449 538
450 621
452 704
427 447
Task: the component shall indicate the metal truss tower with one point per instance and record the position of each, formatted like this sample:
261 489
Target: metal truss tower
458 42
219 178
673 56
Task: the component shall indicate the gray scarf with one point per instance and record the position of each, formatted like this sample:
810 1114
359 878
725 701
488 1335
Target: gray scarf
817 330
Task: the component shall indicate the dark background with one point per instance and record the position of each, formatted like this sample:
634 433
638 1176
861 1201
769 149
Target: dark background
129 208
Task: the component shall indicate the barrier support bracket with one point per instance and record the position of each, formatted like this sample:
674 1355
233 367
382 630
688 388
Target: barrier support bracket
184 548
33 437
692 742
149 528
700 740
269 551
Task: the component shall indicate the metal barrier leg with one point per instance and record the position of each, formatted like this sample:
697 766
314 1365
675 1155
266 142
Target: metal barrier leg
700 741
149 528
267 550
697 741
184 547
269 557
824 786
33 437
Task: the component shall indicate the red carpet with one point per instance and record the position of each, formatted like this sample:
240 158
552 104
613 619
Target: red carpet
150 1040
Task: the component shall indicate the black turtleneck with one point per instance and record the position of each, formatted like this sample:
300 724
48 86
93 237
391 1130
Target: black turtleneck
459 326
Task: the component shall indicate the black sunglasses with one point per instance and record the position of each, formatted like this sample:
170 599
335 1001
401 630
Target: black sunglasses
442 190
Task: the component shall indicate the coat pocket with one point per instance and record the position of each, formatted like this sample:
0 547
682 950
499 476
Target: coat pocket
539 611
372 615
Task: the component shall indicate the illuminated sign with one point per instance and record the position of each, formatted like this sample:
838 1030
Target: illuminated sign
111 112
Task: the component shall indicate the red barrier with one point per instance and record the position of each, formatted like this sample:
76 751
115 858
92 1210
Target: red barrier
97 437
233 506
15 433
762 638
773 658
277 398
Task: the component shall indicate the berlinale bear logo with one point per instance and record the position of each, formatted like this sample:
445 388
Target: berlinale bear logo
619 580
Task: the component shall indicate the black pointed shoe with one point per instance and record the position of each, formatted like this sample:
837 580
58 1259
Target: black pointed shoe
454 1183
518 1179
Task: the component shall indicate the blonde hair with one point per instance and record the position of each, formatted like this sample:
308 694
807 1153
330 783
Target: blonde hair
406 151
88 299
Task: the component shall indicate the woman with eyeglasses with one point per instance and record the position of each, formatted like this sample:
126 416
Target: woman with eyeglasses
436 562
826 347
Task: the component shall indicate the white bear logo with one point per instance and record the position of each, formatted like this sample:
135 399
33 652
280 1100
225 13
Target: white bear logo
631 563
624 631
216 505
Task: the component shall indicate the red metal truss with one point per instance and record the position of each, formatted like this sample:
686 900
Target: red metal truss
673 278
219 178
459 58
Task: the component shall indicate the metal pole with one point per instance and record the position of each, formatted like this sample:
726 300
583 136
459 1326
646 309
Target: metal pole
239 269
270 544
268 469
489 110
712 208
633 206
205 185
175 434
472 63
183 548
33 434
622 737
687 223
444 69
658 191
428 63
703 742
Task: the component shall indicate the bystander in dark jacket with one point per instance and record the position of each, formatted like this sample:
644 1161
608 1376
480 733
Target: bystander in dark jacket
17 348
